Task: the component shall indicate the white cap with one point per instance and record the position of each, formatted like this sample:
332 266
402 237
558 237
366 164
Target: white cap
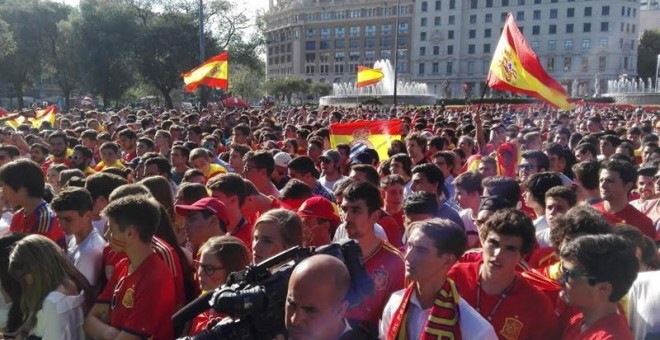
282 159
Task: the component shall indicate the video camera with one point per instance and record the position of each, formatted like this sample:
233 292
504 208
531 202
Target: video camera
255 298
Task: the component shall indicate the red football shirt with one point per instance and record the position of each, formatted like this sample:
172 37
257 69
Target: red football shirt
611 327
386 268
525 313
141 302
41 221
50 161
393 229
629 215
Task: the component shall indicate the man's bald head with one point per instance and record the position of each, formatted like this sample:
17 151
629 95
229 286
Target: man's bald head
321 270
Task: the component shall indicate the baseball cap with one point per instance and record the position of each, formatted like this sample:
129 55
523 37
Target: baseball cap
332 155
319 207
282 159
362 158
211 204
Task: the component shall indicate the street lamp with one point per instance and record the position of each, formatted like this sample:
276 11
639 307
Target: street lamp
396 49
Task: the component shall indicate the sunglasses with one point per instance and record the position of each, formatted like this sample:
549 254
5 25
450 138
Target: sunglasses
527 167
208 269
566 275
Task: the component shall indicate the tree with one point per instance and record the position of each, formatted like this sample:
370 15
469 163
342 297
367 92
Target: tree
33 25
66 57
647 52
6 40
245 82
107 33
320 89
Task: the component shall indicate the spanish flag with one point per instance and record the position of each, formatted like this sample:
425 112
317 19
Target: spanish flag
368 76
515 68
45 115
212 73
361 135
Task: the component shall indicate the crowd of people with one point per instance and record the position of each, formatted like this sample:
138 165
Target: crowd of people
496 222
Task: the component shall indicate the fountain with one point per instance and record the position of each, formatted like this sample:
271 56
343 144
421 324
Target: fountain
628 90
408 93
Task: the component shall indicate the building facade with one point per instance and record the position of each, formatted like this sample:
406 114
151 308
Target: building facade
453 41
326 40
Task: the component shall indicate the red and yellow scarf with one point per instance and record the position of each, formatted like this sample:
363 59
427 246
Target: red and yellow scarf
443 322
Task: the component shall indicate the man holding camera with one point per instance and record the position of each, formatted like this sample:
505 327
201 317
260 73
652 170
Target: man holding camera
316 301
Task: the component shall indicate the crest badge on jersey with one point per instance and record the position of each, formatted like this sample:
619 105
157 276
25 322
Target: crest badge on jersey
511 329
380 277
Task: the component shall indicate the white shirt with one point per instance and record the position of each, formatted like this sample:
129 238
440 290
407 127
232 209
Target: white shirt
61 317
473 325
543 238
87 256
341 234
330 185
100 224
644 305
541 224
470 228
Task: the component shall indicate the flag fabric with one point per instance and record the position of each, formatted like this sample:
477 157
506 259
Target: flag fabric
516 68
368 76
212 73
45 115
361 135
13 120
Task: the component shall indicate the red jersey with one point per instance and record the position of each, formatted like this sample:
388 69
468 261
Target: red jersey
393 230
141 302
477 255
611 327
41 221
386 268
543 257
525 312
50 161
129 156
628 215
243 232
166 253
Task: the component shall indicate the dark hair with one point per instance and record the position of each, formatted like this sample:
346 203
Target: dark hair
9 284
436 142
537 185
110 146
563 192
262 159
11 150
296 189
626 170
84 151
647 171
192 192
163 165
364 191
190 173
586 147
140 212
73 199
542 160
391 180
101 184
511 222
303 165
23 173
421 202
432 173
448 237
598 255
505 188
185 152
418 138
469 181
587 174
369 171
128 133
405 161
230 185
579 220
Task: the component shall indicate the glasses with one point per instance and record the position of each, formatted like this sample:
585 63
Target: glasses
526 167
208 269
74 158
567 274
325 161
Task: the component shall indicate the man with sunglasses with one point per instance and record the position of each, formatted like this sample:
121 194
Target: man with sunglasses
590 284
330 169
82 158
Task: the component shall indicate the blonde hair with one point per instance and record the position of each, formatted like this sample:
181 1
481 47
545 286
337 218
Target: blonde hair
288 224
49 267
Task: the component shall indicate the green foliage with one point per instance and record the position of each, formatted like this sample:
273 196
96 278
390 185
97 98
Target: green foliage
647 52
245 82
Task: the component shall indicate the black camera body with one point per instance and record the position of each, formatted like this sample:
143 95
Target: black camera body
255 297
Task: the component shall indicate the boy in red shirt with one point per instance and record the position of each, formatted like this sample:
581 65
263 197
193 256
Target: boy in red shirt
138 301
515 308
23 186
597 271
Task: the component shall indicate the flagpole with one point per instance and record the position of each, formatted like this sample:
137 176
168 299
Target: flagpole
657 67
396 49
483 93
202 98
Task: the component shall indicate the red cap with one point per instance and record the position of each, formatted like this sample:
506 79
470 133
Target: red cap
211 204
320 207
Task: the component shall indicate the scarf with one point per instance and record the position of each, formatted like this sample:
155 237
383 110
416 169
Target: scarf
443 322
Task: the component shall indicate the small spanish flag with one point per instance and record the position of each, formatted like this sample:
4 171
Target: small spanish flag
368 76
45 115
515 68
361 135
212 73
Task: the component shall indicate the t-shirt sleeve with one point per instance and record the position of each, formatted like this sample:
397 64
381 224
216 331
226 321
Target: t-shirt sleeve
53 325
153 298
90 264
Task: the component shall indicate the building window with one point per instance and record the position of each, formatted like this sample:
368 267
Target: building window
604 26
310 45
489 3
521 2
486 48
354 31
569 28
450 34
550 65
425 6
339 32
436 50
472 34
450 67
488 17
602 42
422 22
553 13
385 42
436 21
422 51
520 15
403 27
537 14
310 34
339 43
370 42
552 45
339 68
325 33
552 29
503 16
605 10
339 56
370 30
435 68
422 36
602 63
586 44
535 45
536 30
567 63
584 64
568 44
473 4
422 66
471 49
470 68
323 45
452 19
438 5
505 3
536 2
487 33
586 27
473 18
354 55
570 12
354 43
587 11
450 49
452 4
386 29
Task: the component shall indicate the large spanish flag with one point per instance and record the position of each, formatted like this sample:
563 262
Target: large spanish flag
212 73
368 76
360 135
45 115
515 68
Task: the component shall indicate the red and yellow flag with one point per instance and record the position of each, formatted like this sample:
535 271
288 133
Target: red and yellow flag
212 73
45 115
361 135
516 68
368 76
